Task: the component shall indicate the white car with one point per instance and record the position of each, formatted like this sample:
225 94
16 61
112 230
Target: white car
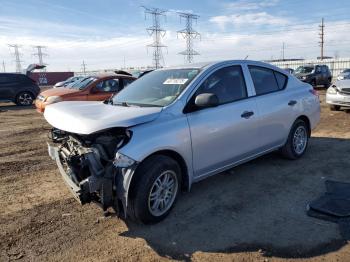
176 126
338 95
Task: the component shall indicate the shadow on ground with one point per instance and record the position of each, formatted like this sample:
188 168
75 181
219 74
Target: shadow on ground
12 107
260 205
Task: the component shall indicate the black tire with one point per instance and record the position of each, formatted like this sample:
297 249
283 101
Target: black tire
24 98
334 108
139 209
288 150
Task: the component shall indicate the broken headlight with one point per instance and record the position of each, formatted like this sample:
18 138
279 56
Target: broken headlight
122 160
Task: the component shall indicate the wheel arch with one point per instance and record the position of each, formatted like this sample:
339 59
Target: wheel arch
307 121
185 179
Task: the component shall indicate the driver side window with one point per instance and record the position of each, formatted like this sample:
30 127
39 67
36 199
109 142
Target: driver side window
109 85
227 84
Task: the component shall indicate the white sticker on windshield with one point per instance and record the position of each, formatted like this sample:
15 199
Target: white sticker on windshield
175 81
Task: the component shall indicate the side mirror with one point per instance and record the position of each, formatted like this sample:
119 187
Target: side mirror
206 100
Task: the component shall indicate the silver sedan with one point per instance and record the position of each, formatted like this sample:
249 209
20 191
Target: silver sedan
176 126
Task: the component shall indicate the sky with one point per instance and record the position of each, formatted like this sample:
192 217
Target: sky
112 33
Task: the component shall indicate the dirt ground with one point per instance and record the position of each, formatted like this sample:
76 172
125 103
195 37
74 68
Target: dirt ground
253 212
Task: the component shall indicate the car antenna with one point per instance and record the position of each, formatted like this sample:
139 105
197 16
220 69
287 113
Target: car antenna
246 57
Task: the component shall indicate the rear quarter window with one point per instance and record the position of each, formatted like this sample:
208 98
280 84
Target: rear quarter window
281 80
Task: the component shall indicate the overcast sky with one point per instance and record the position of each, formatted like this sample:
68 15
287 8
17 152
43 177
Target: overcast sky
105 32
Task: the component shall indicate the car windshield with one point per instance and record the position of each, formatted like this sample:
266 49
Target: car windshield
157 88
346 71
83 83
304 70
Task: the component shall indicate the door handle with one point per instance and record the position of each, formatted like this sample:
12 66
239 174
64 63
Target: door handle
292 102
247 114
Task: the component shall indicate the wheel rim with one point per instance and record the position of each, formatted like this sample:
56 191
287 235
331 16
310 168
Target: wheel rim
163 193
25 99
300 140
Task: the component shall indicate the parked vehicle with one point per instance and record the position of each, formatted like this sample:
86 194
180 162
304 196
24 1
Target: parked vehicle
91 88
289 70
18 88
315 75
176 126
338 95
345 74
70 80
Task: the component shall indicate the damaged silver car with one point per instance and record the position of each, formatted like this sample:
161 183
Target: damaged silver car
176 126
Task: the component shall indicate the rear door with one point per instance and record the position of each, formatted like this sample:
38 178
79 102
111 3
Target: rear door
227 133
275 104
8 86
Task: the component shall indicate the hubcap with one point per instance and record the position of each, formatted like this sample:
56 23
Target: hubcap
25 99
163 193
300 140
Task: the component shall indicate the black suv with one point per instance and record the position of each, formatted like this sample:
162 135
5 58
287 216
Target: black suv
18 88
314 74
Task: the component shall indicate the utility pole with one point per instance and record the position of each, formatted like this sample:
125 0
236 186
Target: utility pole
3 66
322 38
158 33
283 47
40 54
189 34
17 56
83 67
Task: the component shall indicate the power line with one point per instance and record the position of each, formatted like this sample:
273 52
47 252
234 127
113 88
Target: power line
189 34
83 67
40 54
158 33
322 37
17 56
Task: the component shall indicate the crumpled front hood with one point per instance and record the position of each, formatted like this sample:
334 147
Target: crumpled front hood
90 117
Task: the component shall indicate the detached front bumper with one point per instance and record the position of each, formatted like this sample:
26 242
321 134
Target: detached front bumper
80 191
338 99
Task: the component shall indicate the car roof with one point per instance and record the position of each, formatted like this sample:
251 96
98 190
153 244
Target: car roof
103 76
204 65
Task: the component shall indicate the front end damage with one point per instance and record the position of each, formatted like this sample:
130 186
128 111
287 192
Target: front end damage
92 168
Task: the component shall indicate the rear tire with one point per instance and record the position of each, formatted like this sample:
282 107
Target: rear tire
24 99
297 142
155 191
334 108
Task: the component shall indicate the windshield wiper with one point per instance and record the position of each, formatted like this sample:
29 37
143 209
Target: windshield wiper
120 104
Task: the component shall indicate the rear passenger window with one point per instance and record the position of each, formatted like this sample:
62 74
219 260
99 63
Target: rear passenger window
264 80
281 80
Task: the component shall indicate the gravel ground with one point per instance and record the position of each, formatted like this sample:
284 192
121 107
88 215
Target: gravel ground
253 212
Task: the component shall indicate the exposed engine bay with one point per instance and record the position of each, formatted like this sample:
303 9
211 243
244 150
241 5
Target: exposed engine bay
88 161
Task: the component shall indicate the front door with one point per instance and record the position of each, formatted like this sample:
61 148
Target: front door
227 133
104 89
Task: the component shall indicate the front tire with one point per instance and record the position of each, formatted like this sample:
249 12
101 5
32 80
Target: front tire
24 99
297 142
156 189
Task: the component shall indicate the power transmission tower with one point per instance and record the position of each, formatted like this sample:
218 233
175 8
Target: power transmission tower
40 54
3 66
83 67
17 56
322 38
189 34
158 33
